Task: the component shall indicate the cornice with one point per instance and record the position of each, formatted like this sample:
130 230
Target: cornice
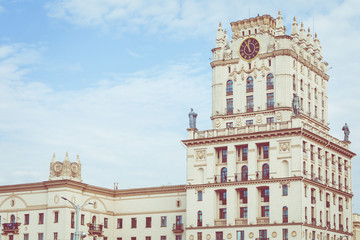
324 186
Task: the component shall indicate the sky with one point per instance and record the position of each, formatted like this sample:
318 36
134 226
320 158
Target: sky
113 81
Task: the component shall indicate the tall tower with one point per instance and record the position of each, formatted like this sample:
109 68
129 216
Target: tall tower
268 168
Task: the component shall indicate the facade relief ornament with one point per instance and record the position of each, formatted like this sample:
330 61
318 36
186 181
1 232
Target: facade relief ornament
253 70
217 123
259 119
278 116
238 121
200 155
65 169
284 147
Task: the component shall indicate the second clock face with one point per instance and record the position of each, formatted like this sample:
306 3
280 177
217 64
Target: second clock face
249 49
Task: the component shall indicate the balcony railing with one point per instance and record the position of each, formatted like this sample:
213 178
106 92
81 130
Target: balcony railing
220 179
178 228
262 220
241 221
262 238
95 229
240 177
262 175
220 222
11 228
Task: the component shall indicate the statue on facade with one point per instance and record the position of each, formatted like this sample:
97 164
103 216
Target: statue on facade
192 118
346 132
296 104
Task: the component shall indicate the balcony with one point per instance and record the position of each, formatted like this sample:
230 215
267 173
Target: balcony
313 200
95 229
241 221
220 222
262 174
241 177
10 228
178 228
220 179
263 220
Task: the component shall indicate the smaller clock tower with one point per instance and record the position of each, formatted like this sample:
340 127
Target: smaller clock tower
65 169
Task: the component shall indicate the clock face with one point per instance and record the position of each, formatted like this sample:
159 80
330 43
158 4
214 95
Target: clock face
249 49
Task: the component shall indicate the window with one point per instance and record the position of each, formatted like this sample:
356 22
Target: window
294 83
72 222
148 222
27 219
269 62
224 174
309 93
244 173
222 154
106 222
270 81
133 222
229 87
200 195
265 211
284 190
264 194
199 218
178 237
285 234
249 84
301 85
250 103
41 218
222 213
40 236
119 223
72 236
263 151
240 235
82 219
243 212
243 196
249 122
270 101
219 235
56 217
242 153
265 171
162 237
285 214
178 222
26 236
163 221
229 106
263 235
55 236
105 238
146 238
229 124
178 203
270 120
199 235
133 238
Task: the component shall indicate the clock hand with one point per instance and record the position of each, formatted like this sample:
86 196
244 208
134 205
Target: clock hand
247 45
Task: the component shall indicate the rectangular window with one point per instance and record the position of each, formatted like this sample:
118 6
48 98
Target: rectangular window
265 211
199 236
270 101
40 236
244 153
162 237
26 236
285 234
56 217
219 235
243 196
133 238
250 103
105 238
243 212
178 237
106 222
72 220
229 125
55 236
41 218
148 222
222 155
200 195
222 213
148 238
133 222
163 221
229 106
72 236
285 190
270 120
82 220
27 219
263 235
249 122
240 235
119 223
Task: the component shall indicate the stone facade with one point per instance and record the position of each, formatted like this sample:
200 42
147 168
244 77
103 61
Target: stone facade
268 168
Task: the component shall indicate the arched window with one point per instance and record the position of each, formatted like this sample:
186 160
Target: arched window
285 214
265 171
249 84
244 173
270 81
12 219
229 87
224 174
199 219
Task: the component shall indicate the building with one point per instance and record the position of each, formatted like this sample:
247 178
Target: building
268 168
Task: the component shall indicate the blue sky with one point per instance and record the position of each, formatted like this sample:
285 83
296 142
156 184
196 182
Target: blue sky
114 81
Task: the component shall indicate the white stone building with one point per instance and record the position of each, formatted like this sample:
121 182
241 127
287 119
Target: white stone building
268 168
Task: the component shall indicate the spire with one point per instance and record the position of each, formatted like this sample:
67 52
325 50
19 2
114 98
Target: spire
295 29
309 39
226 39
77 158
220 36
280 29
53 158
302 32
67 157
